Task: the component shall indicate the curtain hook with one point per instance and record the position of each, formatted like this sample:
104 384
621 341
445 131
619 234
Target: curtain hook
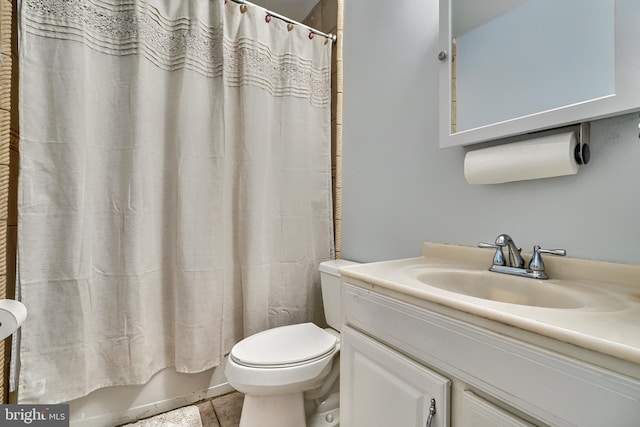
243 8
289 27
267 18
311 35
326 41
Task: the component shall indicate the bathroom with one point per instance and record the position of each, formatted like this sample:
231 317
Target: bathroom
399 189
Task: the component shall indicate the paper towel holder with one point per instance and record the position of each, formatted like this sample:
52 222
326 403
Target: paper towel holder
582 151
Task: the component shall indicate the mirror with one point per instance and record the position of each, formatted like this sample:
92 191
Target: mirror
518 66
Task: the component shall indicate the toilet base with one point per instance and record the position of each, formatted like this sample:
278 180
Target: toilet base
285 410
327 413
325 419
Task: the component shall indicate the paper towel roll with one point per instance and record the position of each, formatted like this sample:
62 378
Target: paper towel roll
537 158
12 314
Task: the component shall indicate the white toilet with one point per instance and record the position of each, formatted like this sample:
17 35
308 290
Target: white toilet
275 368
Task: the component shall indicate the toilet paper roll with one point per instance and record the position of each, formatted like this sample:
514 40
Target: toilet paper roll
537 158
12 314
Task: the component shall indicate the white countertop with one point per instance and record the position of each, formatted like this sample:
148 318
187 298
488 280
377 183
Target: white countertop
609 325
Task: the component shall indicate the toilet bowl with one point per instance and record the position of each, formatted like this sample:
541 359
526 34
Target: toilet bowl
274 368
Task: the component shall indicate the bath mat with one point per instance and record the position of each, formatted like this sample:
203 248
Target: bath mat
189 416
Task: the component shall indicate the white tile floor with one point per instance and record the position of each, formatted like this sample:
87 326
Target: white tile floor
222 411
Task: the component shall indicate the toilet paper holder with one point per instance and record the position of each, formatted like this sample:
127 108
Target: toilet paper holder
12 315
582 151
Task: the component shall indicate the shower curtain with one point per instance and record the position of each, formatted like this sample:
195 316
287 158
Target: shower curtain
174 189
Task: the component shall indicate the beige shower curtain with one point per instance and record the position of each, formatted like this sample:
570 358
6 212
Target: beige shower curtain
174 186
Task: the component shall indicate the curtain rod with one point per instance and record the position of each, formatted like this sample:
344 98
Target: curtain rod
331 37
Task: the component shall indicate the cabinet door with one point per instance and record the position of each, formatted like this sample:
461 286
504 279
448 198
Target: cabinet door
478 412
379 387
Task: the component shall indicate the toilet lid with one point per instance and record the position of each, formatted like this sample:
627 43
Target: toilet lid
285 345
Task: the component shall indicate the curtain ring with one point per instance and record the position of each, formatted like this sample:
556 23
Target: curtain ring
243 8
311 35
326 41
289 27
267 18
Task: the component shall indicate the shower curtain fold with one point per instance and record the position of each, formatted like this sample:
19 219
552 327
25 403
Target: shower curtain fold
174 191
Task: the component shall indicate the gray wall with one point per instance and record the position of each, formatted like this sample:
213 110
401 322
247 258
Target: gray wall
400 189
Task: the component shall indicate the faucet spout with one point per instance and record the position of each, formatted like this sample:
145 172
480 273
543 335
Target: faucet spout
514 257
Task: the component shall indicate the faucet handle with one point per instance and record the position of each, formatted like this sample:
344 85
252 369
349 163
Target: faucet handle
536 263
498 258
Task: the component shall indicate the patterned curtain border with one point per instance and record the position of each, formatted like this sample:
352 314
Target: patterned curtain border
138 28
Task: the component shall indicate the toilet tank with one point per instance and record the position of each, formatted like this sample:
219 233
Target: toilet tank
330 282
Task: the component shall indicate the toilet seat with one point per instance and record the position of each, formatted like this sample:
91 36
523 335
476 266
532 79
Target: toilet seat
287 359
285 346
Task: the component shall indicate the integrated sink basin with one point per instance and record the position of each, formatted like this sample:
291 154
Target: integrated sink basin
510 289
588 304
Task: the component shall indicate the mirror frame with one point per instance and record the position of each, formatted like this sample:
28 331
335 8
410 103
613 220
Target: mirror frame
625 99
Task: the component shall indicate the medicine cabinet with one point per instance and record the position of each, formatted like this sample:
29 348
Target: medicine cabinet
509 67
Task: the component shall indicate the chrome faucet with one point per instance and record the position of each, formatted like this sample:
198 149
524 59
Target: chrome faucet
514 264
515 259
513 255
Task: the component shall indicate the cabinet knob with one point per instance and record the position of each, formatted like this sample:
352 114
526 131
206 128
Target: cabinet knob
442 55
432 412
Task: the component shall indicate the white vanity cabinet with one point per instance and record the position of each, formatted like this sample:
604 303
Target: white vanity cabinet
397 355
381 387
